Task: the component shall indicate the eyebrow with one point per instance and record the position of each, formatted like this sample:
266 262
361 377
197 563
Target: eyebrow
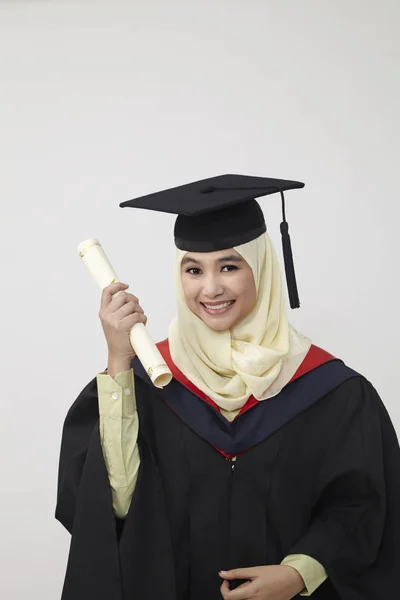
228 258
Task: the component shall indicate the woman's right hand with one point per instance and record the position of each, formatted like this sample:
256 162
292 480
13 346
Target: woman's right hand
119 312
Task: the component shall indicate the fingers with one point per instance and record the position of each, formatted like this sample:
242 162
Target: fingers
243 592
114 297
124 310
124 319
119 299
120 310
248 573
109 291
128 322
224 589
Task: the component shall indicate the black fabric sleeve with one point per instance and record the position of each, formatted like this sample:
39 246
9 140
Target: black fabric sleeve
356 492
84 506
80 422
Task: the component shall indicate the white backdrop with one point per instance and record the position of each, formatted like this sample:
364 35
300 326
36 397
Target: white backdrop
103 101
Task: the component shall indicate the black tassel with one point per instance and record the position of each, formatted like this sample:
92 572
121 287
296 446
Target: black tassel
288 259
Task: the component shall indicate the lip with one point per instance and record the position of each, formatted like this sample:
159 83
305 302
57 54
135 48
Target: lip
214 312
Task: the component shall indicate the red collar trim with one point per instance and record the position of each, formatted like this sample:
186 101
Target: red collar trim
314 358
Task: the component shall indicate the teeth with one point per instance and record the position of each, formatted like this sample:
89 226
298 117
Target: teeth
218 306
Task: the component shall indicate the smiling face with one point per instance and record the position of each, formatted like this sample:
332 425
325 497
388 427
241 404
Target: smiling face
218 287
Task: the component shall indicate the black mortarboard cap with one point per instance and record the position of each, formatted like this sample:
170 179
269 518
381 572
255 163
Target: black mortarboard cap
221 212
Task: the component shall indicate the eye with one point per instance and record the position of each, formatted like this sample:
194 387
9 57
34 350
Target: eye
193 270
229 268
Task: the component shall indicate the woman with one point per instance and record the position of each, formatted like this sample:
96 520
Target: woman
266 468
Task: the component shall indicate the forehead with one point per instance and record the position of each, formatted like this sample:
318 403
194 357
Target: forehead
209 257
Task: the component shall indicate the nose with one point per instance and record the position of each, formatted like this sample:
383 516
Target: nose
212 287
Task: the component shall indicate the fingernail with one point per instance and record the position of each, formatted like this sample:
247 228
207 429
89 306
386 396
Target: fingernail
223 572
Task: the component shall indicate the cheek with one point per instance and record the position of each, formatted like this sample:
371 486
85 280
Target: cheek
245 287
246 292
189 290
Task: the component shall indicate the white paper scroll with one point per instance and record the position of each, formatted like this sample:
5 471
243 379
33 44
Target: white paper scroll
93 256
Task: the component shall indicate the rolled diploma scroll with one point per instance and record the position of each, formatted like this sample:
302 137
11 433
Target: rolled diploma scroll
93 256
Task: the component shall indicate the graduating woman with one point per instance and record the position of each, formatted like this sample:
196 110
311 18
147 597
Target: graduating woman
266 469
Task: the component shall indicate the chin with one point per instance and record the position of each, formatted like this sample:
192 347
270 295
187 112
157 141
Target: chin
216 327
216 323
219 325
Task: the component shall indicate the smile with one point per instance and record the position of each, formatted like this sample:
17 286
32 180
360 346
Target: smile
217 309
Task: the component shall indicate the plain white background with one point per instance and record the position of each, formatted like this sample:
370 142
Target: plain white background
103 101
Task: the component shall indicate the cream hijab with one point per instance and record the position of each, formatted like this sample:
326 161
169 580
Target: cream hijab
258 356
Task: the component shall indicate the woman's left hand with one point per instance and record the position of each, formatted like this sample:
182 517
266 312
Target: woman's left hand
275 582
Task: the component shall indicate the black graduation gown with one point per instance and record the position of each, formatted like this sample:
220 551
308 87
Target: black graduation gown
317 473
